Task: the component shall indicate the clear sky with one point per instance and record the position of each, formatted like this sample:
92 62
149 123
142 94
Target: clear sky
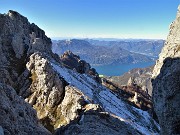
98 18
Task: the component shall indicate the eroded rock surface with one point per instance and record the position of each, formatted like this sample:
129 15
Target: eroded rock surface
18 40
166 80
139 76
74 62
96 122
31 72
16 116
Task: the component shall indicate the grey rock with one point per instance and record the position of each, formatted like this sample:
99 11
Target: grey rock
166 95
16 45
139 76
94 93
18 40
16 116
1 131
74 62
166 80
96 122
34 74
46 89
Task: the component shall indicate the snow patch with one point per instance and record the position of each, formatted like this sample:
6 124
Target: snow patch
97 93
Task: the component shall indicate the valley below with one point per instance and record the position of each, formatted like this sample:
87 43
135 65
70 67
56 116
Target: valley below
100 53
87 86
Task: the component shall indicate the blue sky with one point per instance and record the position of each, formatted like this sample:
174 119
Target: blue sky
98 18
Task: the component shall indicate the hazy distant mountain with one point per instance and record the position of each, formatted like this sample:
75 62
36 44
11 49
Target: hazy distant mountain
98 54
146 47
40 96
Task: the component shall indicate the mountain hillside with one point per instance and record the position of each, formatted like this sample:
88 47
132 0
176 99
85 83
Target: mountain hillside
139 76
166 80
39 95
98 55
147 47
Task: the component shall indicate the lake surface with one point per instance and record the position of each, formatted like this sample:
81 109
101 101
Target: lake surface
120 69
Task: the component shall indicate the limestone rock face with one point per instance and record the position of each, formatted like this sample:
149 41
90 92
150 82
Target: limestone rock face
44 89
18 39
166 80
56 105
172 45
16 116
139 76
95 121
60 96
74 62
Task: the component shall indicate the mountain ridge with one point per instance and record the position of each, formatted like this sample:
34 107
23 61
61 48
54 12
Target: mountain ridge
98 55
165 81
58 96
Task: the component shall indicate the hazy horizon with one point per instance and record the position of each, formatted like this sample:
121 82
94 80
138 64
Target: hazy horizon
119 19
103 38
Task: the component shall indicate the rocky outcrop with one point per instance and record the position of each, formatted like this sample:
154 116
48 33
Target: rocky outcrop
74 62
139 76
43 88
131 93
94 93
166 89
18 40
16 116
94 121
61 97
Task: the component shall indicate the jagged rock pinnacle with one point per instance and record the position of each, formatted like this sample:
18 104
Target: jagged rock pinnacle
166 88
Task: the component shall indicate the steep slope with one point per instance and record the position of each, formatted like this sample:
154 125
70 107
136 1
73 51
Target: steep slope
65 100
131 93
94 92
18 39
74 62
166 88
139 76
17 116
98 55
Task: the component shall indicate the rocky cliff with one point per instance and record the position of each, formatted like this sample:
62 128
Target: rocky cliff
72 61
139 76
40 95
17 116
166 80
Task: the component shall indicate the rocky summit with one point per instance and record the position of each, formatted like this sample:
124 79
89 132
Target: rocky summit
166 80
39 94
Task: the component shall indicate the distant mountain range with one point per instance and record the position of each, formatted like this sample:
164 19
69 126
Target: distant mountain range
147 47
98 52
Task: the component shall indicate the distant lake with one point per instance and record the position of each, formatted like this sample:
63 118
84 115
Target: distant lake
120 69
